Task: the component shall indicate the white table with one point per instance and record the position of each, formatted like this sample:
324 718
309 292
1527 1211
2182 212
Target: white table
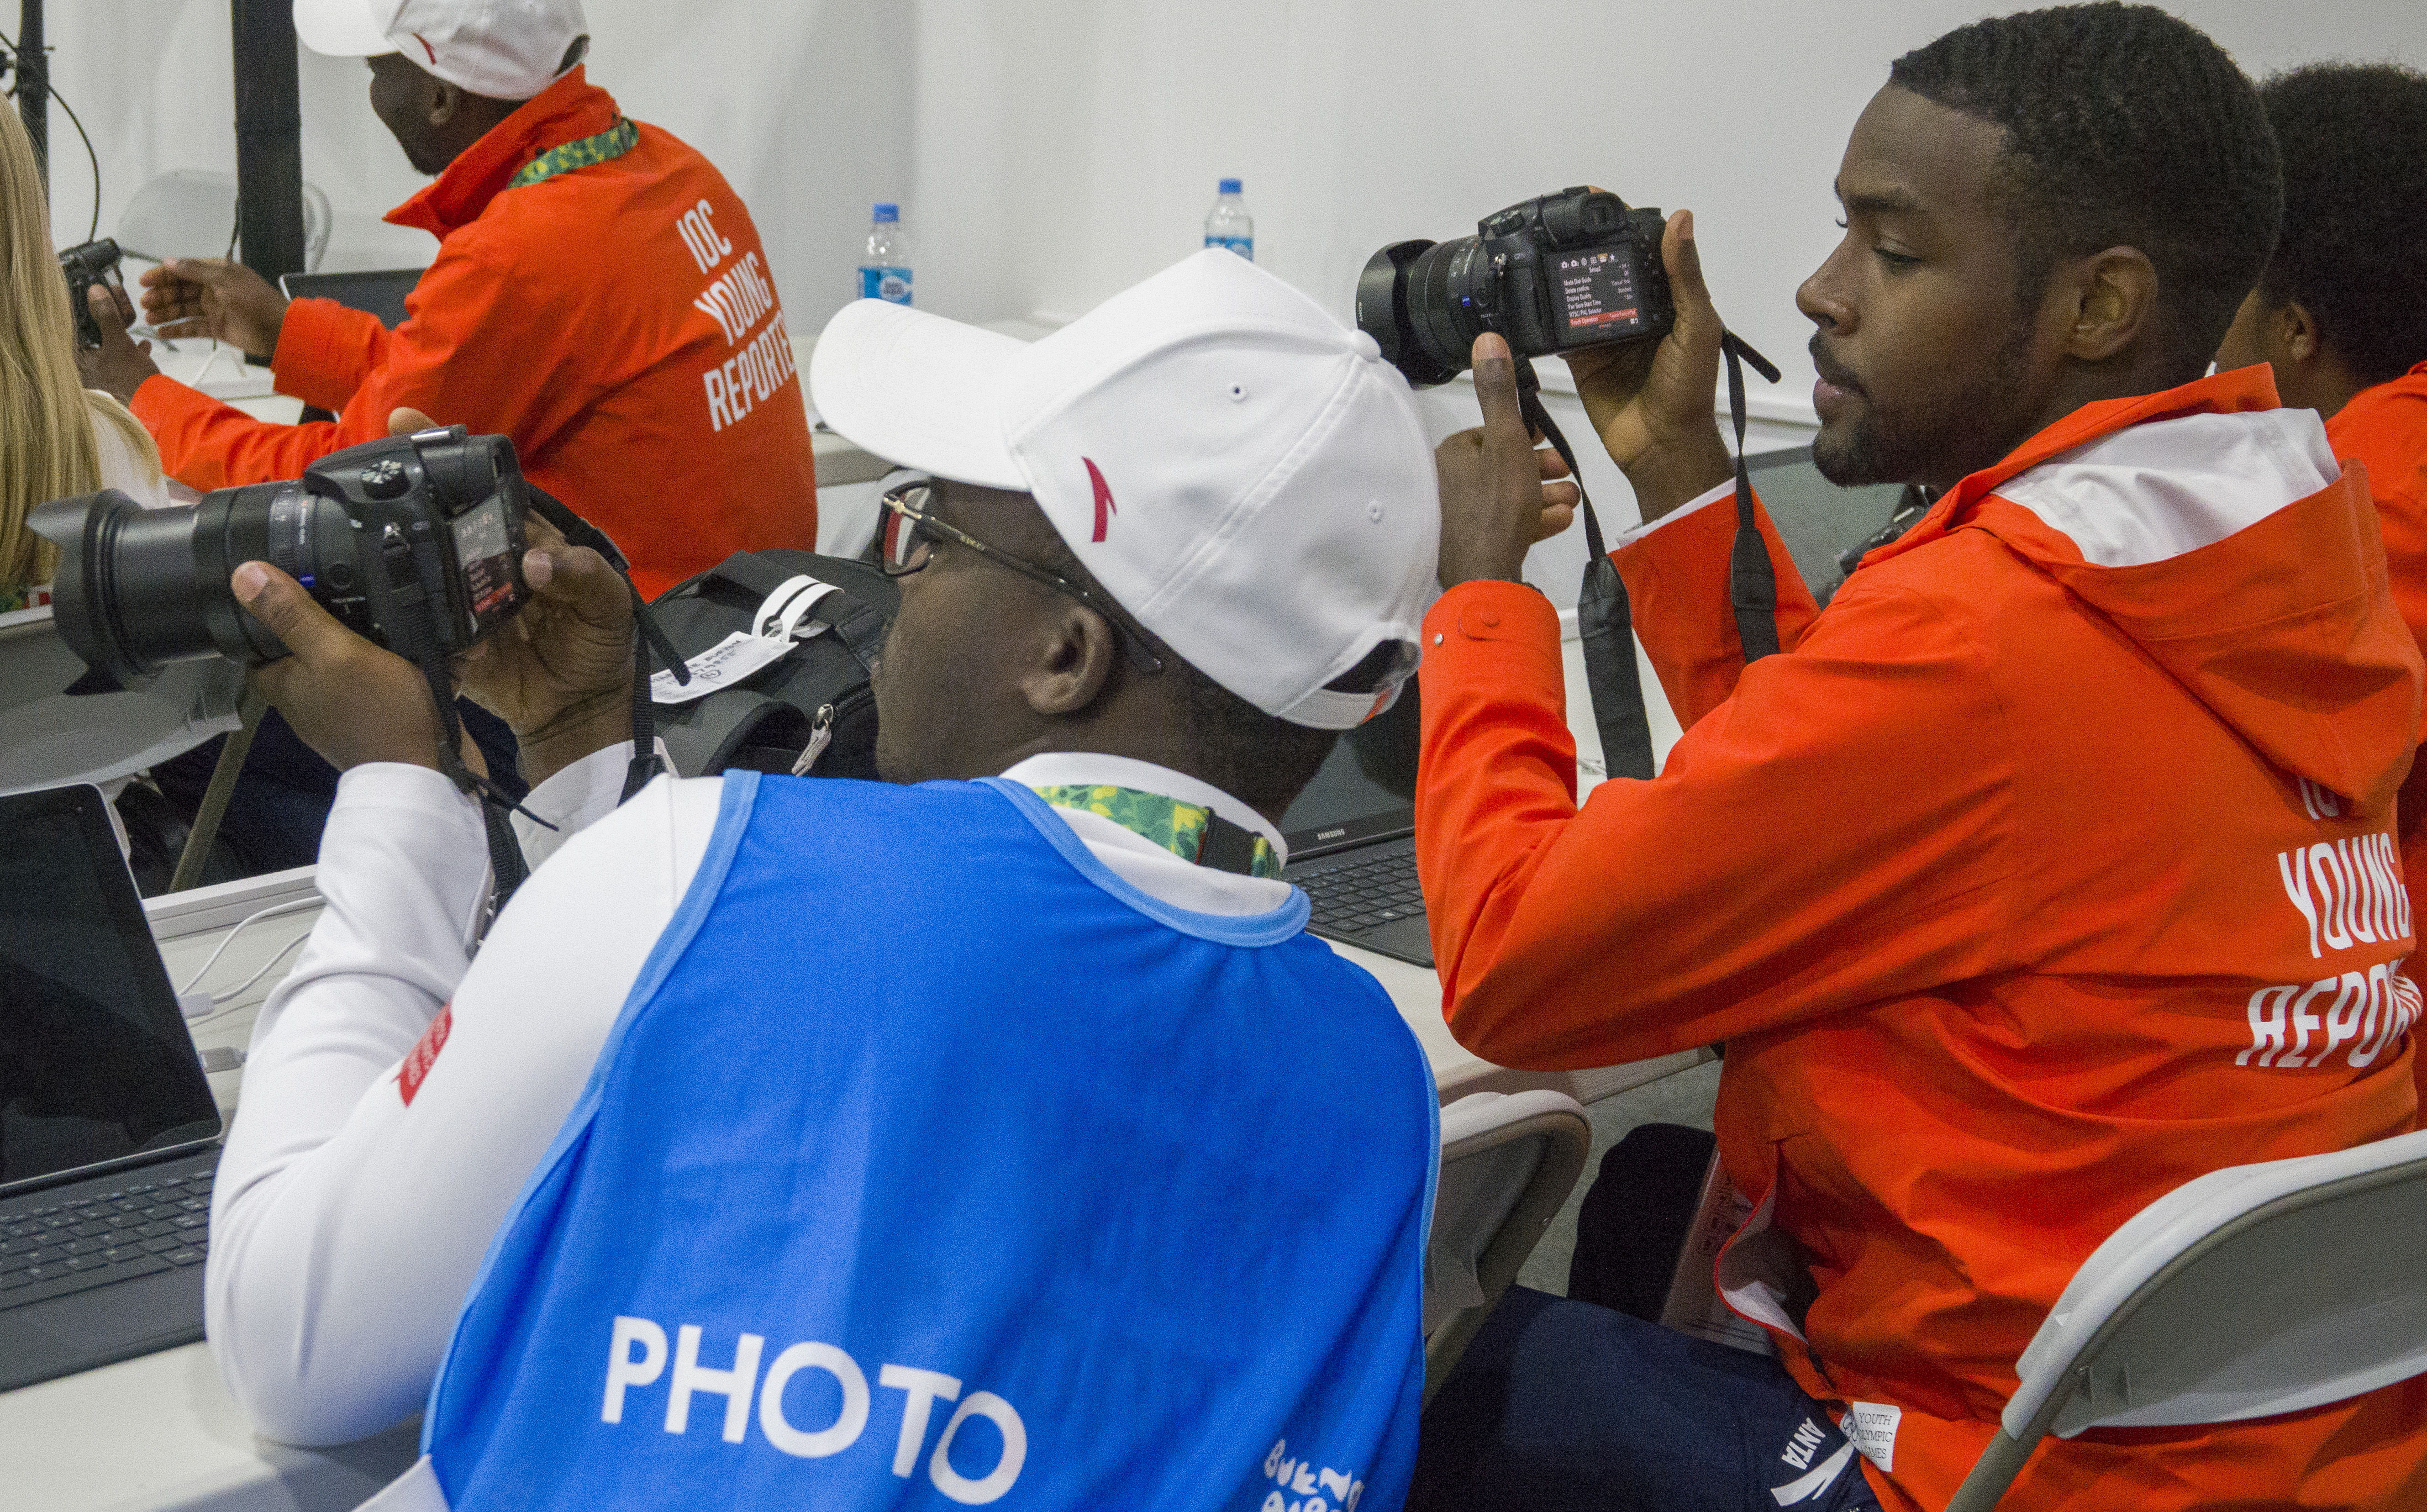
161 1432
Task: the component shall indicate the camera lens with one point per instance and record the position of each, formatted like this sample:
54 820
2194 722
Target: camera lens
138 588
1448 296
1421 302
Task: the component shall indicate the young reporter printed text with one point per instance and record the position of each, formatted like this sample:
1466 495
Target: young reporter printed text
2051 867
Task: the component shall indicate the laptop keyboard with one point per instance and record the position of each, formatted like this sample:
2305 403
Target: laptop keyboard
1351 895
139 1228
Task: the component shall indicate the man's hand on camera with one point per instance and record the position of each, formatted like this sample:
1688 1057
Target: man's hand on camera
216 298
350 700
1656 407
119 366
1499 493
560 671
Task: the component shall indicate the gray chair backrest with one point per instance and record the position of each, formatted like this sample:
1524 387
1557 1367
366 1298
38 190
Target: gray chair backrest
48 737
2252 1290
1509 1162
190 212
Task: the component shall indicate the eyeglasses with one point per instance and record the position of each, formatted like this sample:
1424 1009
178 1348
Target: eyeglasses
906 541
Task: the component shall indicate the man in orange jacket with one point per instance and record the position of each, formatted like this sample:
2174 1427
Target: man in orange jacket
599 295
2047 869
2342 316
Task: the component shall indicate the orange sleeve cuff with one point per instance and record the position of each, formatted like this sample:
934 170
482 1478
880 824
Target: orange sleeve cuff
1503 635
324 352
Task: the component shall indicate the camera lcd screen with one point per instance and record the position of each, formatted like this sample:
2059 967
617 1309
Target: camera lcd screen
486 555
1596 294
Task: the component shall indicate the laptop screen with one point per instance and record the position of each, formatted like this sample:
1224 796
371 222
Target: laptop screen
381 291
95 1061
1366 789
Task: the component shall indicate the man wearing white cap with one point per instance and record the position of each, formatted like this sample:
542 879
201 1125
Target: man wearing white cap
832 1142
599 295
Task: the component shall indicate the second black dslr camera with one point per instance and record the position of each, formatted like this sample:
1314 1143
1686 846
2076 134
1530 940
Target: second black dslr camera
93 262
1575 269
414 542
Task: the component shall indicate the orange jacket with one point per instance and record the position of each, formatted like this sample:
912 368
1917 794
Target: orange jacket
2045 872
2384 430
616 319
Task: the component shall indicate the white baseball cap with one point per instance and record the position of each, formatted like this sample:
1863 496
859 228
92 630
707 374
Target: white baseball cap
1245 473
503 49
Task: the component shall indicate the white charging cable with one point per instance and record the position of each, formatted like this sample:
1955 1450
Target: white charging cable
197 1005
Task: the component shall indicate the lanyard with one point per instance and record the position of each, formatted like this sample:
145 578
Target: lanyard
606 147
1189 831
1604 621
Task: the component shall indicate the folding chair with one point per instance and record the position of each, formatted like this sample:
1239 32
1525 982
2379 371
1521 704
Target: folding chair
1509 1162
2249 1291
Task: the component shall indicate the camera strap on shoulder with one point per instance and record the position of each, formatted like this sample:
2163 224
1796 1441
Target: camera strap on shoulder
1605 623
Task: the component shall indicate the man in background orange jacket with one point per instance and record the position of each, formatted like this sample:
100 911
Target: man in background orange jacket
2342 314
2047 869
599 295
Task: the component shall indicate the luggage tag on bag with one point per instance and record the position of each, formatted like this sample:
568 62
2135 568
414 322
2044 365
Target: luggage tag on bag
774 629
724 664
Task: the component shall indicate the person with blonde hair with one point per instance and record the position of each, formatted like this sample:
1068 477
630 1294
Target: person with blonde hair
57 436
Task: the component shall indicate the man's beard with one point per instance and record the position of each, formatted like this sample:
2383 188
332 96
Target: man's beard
1959 435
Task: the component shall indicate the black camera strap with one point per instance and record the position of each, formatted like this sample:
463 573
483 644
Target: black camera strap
1752 583
646 638
508 868
1604 621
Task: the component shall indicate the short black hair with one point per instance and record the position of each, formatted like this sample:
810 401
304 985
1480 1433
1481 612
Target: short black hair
2124 126
2353 251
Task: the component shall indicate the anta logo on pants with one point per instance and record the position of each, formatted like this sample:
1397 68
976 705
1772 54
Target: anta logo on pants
636 1358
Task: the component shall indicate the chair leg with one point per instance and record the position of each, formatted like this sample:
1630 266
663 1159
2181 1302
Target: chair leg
1995 1471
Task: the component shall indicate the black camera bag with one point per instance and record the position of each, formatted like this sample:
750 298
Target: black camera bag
769 720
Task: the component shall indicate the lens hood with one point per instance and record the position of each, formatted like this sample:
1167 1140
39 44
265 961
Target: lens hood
75 524
1382 313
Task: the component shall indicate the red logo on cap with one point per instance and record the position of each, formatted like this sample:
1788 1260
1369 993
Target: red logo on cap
1105 508
433 62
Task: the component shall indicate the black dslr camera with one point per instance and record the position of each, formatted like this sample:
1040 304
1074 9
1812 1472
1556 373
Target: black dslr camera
1575 269
414 543
95 262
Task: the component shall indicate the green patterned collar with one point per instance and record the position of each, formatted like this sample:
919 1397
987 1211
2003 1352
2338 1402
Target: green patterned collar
1189 831
606 147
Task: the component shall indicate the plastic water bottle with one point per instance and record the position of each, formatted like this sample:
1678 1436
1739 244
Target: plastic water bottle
885 267
1228 225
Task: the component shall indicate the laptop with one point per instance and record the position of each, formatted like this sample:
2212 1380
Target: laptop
377 291
1352 838
108 1133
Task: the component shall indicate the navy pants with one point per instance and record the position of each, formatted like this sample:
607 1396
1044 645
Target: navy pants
1561 1405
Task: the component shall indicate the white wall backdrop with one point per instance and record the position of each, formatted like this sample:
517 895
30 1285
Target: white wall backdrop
1050 152
1356 122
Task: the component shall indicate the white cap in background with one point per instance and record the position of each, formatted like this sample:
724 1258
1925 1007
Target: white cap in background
1244 473
503 49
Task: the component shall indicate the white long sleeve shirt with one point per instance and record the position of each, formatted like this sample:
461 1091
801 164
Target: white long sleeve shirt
400 1088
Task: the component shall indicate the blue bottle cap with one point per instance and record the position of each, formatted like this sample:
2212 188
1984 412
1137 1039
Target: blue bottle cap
886 211
1230 186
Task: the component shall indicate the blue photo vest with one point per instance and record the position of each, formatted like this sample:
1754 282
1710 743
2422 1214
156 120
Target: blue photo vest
930 1164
